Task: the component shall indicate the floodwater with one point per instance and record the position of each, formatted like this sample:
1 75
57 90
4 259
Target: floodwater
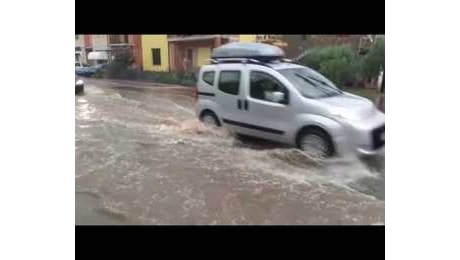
142 157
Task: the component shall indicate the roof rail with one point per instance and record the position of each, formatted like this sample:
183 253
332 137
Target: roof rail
238 60
249 61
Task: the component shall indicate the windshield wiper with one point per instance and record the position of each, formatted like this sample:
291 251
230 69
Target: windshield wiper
326 92
306 79
326 84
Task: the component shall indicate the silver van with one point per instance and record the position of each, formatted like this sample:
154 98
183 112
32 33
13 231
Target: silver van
250 89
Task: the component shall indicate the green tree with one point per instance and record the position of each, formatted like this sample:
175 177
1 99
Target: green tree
124 56
338 63
374 60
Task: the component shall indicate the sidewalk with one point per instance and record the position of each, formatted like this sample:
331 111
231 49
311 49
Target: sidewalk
141 86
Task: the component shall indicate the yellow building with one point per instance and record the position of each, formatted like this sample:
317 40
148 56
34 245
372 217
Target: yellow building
183 53
203 55
264 38
248 38
189 52
155 52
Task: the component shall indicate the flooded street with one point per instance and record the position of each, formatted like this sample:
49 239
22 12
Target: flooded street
142 157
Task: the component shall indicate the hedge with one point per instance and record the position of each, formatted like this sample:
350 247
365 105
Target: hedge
118 71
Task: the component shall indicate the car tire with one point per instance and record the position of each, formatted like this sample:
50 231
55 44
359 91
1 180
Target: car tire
210 119
315 142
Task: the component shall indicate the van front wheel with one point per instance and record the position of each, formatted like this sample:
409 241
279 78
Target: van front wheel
316 143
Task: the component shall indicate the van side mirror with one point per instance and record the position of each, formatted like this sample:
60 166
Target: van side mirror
275 96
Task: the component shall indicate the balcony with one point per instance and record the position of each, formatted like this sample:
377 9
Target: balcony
190 37
271 39
119 40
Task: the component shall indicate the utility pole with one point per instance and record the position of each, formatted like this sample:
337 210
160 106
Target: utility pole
109 52
382 88
381 97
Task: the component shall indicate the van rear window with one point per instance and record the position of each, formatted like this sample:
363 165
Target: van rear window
208 77
229 82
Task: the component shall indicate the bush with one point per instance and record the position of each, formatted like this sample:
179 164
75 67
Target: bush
338 63
170 78
99 74
343 66
314 58
117 70
114 70
119 67
339 71
123 56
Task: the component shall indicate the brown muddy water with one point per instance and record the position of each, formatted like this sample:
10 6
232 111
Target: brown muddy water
142 157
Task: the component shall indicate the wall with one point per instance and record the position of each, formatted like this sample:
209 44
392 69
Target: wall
295 45
100 42
201 52
204 54
333 40
149 42
137 49
79 42
88 41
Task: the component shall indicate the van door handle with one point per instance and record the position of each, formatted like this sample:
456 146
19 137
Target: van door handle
246 105
239 103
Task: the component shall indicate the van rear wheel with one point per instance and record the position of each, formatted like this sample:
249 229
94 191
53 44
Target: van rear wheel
316 143
209 119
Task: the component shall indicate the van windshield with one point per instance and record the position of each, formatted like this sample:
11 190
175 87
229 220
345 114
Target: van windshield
310 83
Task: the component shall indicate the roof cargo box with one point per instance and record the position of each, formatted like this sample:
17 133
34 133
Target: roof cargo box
258 51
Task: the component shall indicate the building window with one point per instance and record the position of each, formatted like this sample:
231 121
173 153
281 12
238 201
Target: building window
156 56
229 82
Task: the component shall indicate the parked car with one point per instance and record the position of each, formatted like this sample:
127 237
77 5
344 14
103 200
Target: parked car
79 85
96 68
88 71
252 90
81 69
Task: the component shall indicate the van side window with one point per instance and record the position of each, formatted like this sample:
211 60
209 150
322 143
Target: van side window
263 84
229 82
208 77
